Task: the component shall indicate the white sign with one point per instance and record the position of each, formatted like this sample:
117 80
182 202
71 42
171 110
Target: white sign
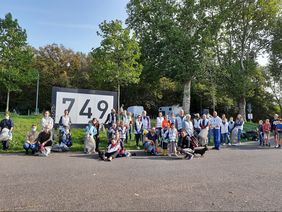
83 105
250 116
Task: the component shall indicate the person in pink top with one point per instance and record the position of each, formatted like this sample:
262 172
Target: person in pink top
266 130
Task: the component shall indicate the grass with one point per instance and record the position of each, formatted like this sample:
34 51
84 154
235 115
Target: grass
22 125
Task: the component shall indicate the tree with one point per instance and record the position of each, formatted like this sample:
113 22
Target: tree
174 36
242 36
60 66
15 57
116 60
274 69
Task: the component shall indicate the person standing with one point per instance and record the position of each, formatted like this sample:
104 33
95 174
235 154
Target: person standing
239 123
196 123
224 131
188 125
6 128
111 118
47 121
138 130
203 135
215 123
266 131
159 125
146 123
274 124
179 124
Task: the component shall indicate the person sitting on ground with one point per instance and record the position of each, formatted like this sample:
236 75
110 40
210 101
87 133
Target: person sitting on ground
44 141
112 151
6 128
150 142
188 148
30 142
89 141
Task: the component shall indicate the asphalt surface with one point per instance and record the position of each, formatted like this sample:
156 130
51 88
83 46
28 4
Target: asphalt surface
234 178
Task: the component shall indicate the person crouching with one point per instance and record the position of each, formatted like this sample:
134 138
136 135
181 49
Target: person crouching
30 142
44 141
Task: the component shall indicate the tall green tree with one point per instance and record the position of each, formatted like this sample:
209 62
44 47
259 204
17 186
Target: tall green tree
15 57
174 36
244 33
116 61
274 69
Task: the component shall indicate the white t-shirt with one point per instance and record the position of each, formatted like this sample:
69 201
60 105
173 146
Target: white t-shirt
159 122
215 122
224 127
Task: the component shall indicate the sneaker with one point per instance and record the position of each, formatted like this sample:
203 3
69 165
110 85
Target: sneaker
229 144
277 146
223 144
190 157
138 147
110 159
169 155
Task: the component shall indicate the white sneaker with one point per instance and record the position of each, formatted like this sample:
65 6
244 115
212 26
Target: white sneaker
223 144
169 155
229 144
138 147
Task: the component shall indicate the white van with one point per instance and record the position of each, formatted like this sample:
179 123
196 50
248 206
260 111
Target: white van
135 110
168 110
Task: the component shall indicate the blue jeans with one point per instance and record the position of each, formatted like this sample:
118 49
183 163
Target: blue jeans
216 137
224 137
239 135
33 147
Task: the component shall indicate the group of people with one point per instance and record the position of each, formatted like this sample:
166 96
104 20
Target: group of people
265 128
171 136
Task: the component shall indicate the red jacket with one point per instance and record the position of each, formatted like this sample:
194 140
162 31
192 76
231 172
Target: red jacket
266 127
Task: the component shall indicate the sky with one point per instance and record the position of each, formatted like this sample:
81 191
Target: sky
73 23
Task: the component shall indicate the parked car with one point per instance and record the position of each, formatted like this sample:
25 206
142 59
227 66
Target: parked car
135 110
168 110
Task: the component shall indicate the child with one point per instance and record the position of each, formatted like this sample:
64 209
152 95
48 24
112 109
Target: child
279 132
112 132
122 134
173 137
30 140
112 150
165 138
266 131
260 132
89 142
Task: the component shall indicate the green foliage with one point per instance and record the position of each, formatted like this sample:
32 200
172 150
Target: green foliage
116 60
15 56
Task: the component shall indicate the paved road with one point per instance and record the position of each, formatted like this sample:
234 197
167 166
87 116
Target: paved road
234 178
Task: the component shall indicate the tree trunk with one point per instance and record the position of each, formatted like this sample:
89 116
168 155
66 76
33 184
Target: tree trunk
242 107
187 96
118 98
8 100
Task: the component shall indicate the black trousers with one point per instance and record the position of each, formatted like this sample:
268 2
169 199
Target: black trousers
112 154
137 139
5 145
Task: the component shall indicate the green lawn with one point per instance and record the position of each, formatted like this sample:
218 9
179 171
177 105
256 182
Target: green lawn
22 125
